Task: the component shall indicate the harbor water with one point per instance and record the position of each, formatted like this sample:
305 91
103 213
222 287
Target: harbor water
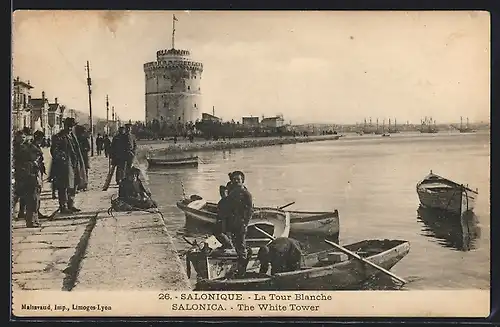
372 181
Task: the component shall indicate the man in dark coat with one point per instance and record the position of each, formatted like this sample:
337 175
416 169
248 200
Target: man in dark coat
107 145
19 143
241 209
30 176
84 143
223 215
133 192
99 144
284 254
68 166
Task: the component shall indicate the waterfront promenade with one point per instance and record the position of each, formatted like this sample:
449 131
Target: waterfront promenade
92 250
147 146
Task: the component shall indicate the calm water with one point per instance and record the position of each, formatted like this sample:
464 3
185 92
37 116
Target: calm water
371 181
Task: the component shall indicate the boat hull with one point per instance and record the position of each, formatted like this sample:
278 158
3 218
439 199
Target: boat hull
173 163
342 275
436 192
301 222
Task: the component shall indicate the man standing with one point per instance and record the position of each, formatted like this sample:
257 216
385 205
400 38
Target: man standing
31 170
131 145
107 145
117 154
19 143
241 208
68 166
99 144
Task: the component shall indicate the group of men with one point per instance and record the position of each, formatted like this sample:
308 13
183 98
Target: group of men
68 171
235 210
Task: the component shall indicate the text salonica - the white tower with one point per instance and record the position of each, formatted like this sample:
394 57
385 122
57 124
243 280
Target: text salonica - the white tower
173 92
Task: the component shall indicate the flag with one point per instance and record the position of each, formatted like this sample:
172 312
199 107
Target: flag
175 18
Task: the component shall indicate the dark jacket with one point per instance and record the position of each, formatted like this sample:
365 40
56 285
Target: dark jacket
284 254
68 166
29 168
132 189
241 208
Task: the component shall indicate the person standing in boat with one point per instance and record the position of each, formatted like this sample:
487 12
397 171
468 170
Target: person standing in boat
284 254
240 206
223 215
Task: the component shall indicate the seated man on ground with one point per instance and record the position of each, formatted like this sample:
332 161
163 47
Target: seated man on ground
133 192
284 254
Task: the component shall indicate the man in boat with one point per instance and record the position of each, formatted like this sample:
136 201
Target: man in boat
133 192
284 254
223 214
240 207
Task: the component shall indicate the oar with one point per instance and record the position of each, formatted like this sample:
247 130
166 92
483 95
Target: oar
265 233
286 205
352 254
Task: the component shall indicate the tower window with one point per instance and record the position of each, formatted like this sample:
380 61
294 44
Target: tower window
195 105
199 88
189 88
172 87
194 76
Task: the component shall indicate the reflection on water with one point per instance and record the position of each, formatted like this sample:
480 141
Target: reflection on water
459 232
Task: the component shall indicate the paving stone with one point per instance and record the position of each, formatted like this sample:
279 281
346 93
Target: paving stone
34 255
63 255
26 246
28 267
48 238
42 284
59 229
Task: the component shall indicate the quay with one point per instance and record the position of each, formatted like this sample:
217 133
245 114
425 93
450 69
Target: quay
147 146
92 250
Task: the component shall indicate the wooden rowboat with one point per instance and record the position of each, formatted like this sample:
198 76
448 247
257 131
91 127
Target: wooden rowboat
437 192
322 223
210 262
173 163
325 270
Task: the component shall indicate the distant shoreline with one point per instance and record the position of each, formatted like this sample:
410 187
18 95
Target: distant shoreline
152 147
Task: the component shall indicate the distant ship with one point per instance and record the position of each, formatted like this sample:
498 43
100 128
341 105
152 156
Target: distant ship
427 125
465 129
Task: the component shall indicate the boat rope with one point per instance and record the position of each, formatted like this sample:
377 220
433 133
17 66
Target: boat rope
183 190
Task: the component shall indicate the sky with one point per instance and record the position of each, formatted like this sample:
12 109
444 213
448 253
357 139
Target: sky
312 67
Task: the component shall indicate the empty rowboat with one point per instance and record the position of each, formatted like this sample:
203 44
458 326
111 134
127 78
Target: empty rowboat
324 223
437 192
325 270
173 163
211 263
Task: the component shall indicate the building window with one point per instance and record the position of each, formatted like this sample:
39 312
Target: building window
189 88
195 105
172 88
194 76
199 88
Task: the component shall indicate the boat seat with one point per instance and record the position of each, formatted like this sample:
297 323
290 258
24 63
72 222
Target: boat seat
197 204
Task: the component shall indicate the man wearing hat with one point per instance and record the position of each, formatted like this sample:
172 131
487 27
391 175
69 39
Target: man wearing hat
133 192
19 143
29 170
241 210
68 167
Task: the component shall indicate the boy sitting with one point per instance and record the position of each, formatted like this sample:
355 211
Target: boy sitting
133 192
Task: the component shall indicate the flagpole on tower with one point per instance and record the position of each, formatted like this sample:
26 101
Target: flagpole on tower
174 19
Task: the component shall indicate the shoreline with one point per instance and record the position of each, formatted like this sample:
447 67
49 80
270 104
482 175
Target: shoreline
146 147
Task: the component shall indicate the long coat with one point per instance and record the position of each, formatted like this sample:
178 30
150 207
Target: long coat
68 167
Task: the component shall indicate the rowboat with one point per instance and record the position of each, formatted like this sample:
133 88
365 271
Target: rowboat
459 233
173 163
323 223
210 262
437 192
325 270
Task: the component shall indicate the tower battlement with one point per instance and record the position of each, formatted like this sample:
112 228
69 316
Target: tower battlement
174 65
173 53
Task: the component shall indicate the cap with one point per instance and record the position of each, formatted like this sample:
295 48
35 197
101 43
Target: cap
69 121
133 171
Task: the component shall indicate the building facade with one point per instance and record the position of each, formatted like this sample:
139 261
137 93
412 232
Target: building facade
277 121
209 117
21 106
173 87
55 118
250 121
40 113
